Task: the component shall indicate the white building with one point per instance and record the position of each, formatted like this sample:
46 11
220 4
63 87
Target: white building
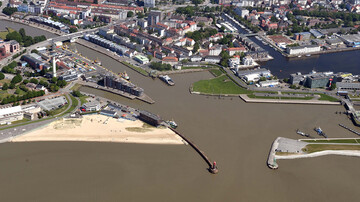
91 106
269 83
247 60
234 62
302 49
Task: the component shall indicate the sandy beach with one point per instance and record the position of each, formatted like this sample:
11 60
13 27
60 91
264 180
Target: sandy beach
100 128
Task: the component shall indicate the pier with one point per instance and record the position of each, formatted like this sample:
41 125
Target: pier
349 129
271 162
212 166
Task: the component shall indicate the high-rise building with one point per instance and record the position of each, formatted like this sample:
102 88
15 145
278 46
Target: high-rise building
154 17
149 3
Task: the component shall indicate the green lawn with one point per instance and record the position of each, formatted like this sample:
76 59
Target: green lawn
83 99
311 148
4 33
138 69
216 72
281 98
219 85
328 98
75 87
74 104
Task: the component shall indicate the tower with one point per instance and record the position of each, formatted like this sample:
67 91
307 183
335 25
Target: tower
54 67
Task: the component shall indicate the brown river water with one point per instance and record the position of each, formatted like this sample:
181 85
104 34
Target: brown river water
235 134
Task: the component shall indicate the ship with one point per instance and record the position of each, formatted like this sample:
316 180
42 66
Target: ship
172 124
124 76
167 80
302 133
320 132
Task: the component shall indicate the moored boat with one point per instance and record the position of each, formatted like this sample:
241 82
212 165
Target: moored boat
167 80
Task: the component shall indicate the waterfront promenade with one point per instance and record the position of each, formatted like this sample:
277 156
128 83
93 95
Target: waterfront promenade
246 99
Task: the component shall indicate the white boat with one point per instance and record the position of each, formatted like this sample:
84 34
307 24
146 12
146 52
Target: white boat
167 79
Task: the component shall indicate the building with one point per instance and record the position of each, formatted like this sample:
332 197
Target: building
108 113
212 59
123 85
150 118
141 59
154 17
348 86
91 106
269 83
149 3
8 47
352 40
317 81
302 49
53 103
302 36
234 62
334 42
170 60
247 60
253 75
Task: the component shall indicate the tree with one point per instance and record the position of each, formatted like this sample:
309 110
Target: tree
76 93
34 51
54 80
196 47
12 86
73 29
23 103
33 80
14 36
2 76
16 79
130 14
9 10
22 32
5 86
333 86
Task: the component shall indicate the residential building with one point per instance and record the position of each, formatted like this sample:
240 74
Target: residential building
234 62
247 60
154 17
149 3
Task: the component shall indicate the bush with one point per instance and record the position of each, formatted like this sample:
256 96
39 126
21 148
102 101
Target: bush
16 79
9 10
2 76
159 66
76 93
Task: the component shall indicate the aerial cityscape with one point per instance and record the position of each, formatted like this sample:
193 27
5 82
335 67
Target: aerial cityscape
182 100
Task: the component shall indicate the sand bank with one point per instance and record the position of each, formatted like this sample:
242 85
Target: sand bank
100 128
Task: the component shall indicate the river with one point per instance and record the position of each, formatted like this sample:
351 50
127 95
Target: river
235 134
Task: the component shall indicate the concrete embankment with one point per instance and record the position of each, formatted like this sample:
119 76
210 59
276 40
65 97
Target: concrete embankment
322 153
271 162
287 101
107 53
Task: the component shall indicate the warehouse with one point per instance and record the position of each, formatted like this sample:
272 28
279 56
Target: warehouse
302 49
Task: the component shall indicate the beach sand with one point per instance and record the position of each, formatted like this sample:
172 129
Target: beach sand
100 128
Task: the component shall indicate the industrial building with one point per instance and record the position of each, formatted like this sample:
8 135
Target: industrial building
302 49
352 40
253 75
10 114
300 79
54 103
123 85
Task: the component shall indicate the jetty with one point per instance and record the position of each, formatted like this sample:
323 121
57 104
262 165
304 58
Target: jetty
212 166
271 162
349 129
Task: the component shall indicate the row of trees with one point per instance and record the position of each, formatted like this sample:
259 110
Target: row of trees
23 39
28 95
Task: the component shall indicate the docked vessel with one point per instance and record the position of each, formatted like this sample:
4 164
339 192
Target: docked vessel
302 133
320 132
124 76
167 79
172 124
